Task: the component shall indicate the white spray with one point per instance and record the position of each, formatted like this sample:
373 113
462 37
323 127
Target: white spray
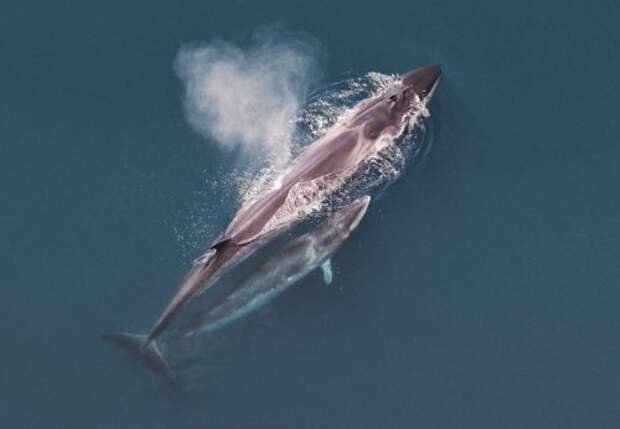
248 99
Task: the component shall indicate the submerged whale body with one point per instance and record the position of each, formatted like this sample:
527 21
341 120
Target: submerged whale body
291 264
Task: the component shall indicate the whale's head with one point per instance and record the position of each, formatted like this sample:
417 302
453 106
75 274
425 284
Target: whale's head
415 87
341 224
421 81
349 217
385 114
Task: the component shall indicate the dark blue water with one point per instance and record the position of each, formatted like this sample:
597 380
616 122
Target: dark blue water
480 292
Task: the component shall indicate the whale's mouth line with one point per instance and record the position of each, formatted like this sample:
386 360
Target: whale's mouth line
431 91
411 119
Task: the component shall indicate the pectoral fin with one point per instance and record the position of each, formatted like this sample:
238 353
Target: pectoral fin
326 268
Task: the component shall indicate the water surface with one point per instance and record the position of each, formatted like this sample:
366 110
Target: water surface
481 291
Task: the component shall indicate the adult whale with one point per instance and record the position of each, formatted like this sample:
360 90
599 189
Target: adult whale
337 154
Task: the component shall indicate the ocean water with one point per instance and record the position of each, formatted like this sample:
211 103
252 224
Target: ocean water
480 291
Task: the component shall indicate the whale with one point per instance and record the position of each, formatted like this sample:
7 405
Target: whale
332 158
336 154
292 263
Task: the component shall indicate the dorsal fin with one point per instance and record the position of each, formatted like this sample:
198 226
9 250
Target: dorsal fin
220 243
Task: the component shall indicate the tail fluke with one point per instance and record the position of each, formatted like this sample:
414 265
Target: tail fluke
192 283
150 356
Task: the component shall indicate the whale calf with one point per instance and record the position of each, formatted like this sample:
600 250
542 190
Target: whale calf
292 263
298 258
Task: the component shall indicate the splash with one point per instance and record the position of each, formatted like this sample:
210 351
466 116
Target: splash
324 108
247 99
